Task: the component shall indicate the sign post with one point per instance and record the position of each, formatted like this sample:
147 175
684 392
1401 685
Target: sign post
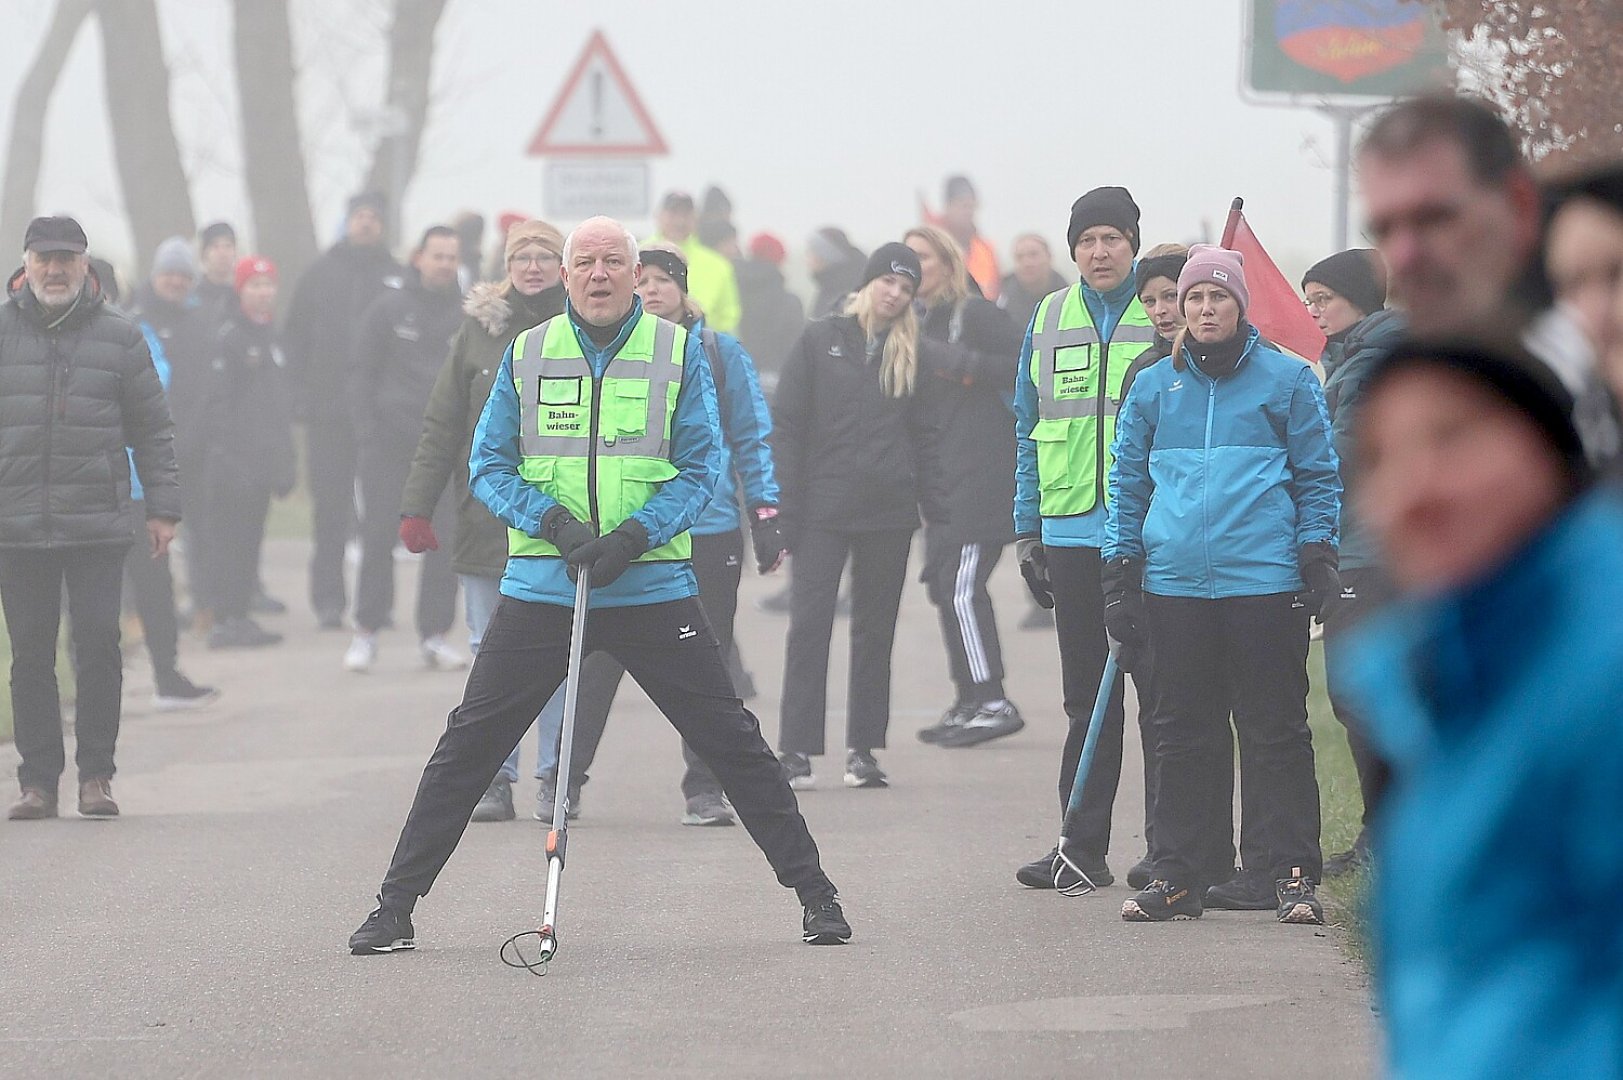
597 138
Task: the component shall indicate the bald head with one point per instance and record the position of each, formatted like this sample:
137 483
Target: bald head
601 270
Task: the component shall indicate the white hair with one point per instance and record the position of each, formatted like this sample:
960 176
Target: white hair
598 222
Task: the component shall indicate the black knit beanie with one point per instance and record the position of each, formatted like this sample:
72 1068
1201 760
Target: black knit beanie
1167 266
1357 274
670 262
892 258
1104 206
216 230
374 201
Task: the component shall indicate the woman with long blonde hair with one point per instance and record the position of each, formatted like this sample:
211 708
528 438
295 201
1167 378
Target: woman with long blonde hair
855 453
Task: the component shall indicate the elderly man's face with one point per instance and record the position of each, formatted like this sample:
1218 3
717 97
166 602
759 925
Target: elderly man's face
602 273
55 276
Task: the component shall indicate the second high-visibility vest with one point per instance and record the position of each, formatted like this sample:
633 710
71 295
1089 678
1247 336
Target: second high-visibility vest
601 447
1079 387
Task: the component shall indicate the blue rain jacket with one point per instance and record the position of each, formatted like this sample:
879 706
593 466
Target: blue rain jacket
1218 483
160 361
695 451
746 459
1501 840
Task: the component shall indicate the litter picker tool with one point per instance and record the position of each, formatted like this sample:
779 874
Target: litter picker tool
1084 765
545 940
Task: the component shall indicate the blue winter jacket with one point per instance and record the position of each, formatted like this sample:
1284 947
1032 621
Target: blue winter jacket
746 459
1501 838
1080 530
695 451
160 361
1218 483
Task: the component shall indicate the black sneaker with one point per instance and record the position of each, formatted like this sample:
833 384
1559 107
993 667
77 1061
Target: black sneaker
1350 861
547 795
1161 901
797 769
496 804
987 724
1297 901
1142 873
1249 890
708 808
384 931
951 720
1039 873
241 633
823 923
175 692
862 770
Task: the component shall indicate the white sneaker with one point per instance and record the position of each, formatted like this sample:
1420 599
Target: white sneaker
361 654
440 656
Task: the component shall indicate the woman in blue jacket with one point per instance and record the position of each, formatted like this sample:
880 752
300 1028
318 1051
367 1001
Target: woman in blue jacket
1219 545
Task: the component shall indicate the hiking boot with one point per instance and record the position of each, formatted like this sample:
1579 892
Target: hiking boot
384 931
1297 900
175 692
362 653
34 804
439 656
96 798
547 795
496 804
1142 873
263 604
797 769
987 724
823 923
862 770
708 808
1161 901
951 720
1039 873
1249 890
1350 861
241 633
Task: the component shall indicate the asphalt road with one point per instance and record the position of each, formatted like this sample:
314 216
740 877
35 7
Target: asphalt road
203 934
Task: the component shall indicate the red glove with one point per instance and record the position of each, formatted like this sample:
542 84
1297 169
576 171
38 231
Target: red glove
417 533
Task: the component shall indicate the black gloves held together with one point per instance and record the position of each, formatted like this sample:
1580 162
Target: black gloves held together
560 529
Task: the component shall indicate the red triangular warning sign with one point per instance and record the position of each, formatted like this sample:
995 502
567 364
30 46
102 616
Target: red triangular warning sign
597 112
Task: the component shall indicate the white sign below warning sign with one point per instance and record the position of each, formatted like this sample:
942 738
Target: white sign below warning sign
598 112
575 190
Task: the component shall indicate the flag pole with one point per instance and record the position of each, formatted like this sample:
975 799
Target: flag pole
1233 222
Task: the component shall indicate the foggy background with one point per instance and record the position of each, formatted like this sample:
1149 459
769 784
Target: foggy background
835 113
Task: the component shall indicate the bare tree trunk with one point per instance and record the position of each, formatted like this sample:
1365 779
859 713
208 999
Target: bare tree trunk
272 153
156 195
25 149
411 59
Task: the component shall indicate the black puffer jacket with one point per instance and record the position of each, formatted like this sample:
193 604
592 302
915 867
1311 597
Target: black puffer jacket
320 334
245 428
72 397
973 377
848 458
400 347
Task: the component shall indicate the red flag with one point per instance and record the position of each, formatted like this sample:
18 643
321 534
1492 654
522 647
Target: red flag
1276 309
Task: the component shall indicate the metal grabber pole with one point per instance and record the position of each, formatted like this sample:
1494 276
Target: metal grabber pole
1084 765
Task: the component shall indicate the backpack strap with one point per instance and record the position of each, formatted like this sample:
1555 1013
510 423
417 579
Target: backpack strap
712 349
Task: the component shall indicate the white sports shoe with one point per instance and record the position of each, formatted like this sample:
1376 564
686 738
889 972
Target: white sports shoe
361 654
440 656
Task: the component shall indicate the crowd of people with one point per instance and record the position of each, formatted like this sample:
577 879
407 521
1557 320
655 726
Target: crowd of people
1437 490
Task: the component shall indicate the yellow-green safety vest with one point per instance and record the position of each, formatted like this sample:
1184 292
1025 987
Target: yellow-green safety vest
1079 387
601 447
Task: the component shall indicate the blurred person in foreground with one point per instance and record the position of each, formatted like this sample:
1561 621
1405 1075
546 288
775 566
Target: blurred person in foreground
77 387
1584 257
1492 688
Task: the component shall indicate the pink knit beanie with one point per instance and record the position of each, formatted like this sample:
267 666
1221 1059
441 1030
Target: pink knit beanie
1211 265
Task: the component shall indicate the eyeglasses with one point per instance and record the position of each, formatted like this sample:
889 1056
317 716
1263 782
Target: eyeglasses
1320 301
543 259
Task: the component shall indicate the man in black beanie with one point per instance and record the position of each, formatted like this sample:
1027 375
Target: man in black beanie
217 254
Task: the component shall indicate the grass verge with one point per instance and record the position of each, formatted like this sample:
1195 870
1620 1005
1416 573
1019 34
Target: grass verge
1341 809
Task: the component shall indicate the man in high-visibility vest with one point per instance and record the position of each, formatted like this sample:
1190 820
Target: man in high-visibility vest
1068 385
599 446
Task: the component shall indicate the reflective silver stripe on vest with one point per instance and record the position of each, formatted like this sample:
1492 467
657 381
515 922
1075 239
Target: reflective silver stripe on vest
659 372
1047 342
531 367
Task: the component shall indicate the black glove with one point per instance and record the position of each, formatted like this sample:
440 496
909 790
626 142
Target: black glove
1122 581
1028 550
560 529
766 533
608 556
1318 563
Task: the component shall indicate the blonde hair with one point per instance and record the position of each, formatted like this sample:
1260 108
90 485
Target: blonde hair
956 287
691 311
898 370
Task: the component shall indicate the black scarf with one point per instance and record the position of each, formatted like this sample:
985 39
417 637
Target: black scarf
1218 359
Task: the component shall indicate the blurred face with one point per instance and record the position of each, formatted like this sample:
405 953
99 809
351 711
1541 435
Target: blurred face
891 294
659 293
533 268
219 260
55 276
1160 300
1453 247
364 227
1452 479
677 224
1212 313
1586 268
1333 312
258 297
958 216
602 274
1105 257
171 287
436 262
1032 263
933 268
